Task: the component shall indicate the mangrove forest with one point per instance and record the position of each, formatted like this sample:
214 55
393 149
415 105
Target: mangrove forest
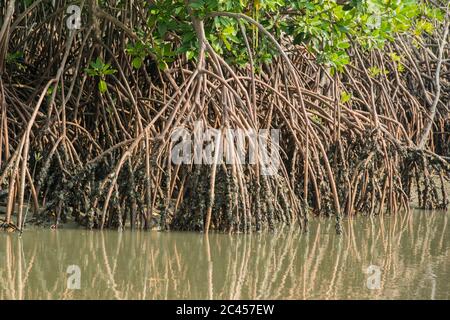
98 96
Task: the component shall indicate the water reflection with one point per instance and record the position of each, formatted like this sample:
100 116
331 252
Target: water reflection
411 250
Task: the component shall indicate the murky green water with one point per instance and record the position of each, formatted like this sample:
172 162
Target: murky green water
412 252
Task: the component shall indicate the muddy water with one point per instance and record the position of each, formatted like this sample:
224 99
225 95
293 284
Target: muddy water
409 257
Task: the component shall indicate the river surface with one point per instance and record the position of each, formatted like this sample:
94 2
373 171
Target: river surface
398 257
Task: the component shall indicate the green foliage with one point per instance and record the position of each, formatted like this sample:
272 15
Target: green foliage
138 52
397 60
101 70
329 28
374 72
316 119
345 97
15 59
325 27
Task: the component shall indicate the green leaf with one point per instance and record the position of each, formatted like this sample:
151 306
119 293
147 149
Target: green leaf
345 97
98 64
190 54
343 45
109 71
102 86
196 5
136 63
162 65
395 57
90 72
